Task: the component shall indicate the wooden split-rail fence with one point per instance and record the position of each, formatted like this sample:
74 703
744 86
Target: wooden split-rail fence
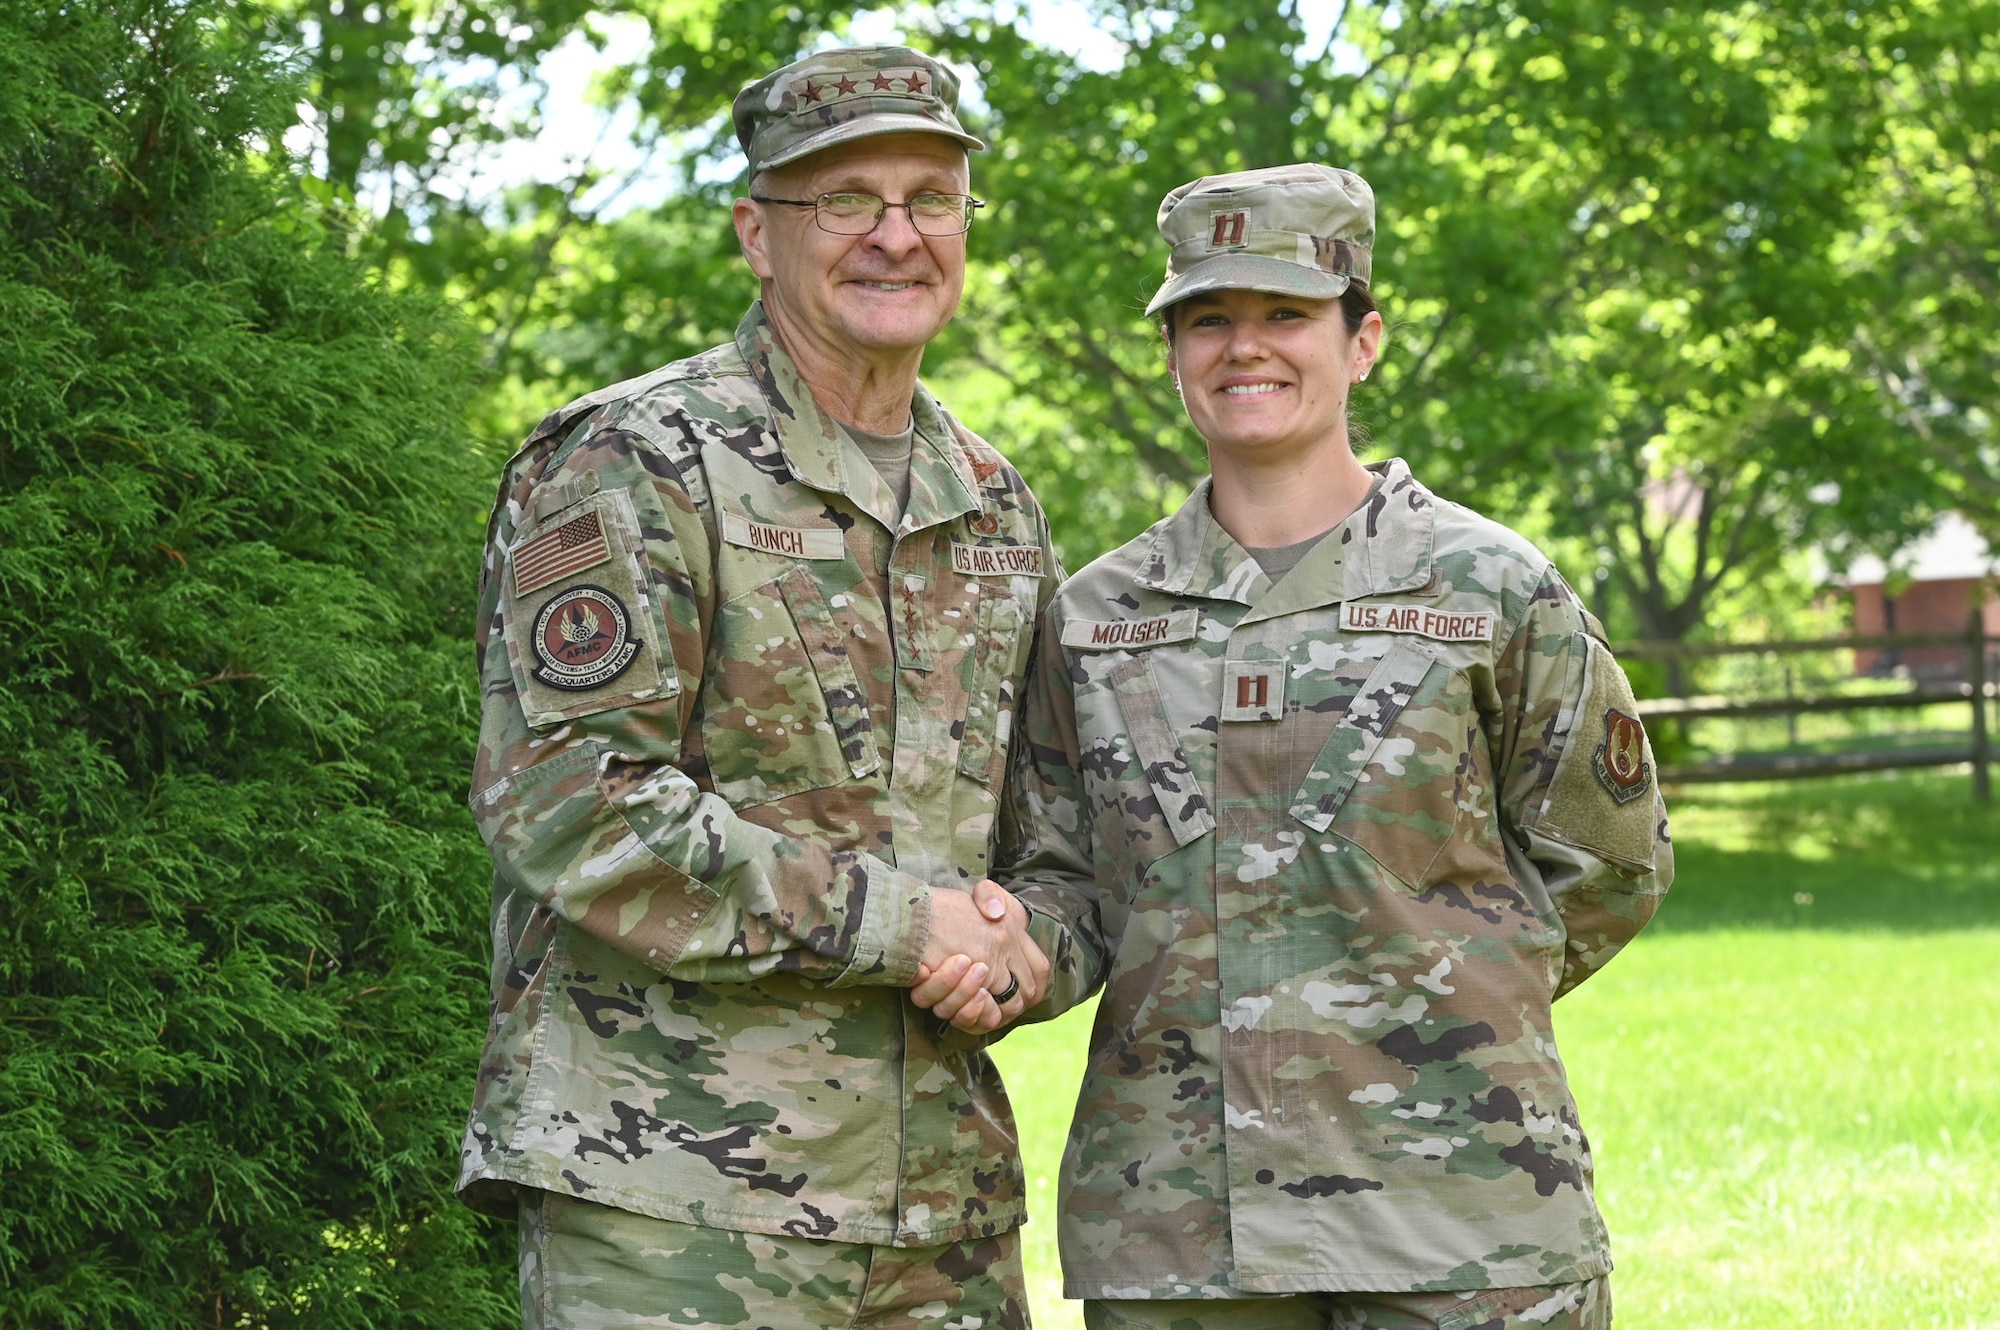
1974 692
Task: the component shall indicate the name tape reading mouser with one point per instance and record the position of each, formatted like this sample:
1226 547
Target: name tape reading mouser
1114 634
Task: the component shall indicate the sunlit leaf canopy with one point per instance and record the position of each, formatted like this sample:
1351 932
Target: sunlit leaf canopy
1684 291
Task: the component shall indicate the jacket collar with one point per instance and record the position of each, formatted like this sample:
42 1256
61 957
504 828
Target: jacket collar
1384 546
818 452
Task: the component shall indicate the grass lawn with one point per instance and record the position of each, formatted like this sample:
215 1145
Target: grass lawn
1792 1080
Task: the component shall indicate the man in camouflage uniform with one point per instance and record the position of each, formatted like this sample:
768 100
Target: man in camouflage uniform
1335 842
752 629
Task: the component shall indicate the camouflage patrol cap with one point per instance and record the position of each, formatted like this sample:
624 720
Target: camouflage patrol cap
853 92
1302 230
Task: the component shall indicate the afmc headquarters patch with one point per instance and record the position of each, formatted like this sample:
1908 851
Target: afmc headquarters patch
584 639
1621 758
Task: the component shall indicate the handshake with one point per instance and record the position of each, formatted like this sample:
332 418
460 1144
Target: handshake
980 968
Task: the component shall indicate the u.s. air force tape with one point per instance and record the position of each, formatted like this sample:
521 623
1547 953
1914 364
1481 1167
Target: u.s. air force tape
996 560
1362 616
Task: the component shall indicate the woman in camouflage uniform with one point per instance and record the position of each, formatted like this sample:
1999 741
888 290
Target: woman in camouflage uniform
1335 787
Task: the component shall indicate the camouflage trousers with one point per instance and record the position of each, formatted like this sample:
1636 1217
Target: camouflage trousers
1583 1306
590 1267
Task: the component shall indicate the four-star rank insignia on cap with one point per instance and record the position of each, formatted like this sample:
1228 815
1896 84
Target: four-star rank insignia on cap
841 88
1621 759
583 638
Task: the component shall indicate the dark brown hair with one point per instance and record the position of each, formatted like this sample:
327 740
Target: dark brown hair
1355 307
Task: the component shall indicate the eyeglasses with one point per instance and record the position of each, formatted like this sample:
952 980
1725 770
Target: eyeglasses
858 214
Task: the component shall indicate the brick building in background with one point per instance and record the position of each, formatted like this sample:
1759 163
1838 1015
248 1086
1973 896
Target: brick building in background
1945 570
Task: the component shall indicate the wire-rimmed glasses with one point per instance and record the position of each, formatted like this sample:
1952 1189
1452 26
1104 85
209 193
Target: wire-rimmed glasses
849 214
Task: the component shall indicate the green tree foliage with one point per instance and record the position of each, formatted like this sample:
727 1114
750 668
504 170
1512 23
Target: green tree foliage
1685 290
1663 384
240 1001
1925 250
1610 259
409 97
387 107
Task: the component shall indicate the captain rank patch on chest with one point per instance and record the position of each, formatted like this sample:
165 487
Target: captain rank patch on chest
1418 621
1253 690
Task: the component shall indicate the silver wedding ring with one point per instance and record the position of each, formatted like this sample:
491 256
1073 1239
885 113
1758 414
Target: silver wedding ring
1006 994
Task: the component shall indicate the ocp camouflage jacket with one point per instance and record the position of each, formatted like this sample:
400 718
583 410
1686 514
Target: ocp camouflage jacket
1335 846
736 720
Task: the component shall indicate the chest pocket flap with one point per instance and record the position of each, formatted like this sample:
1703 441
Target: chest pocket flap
826 649
783 712
991 665
1183 805
1375 777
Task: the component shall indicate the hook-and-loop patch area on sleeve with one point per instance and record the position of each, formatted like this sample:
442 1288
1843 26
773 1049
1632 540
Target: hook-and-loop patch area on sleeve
583 627
1599 798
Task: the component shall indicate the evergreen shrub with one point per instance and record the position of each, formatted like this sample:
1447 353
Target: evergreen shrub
241 995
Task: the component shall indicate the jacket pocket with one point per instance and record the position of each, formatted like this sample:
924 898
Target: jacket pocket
1388 778
782 710
1182 805
992 671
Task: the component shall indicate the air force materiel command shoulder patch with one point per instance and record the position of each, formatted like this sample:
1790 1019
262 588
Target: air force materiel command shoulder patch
1357 616
584 639
1621 759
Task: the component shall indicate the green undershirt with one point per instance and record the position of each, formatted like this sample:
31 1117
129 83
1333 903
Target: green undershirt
890 456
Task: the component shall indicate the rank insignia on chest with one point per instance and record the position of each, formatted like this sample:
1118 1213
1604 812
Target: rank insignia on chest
1621 759
1253 690
583 639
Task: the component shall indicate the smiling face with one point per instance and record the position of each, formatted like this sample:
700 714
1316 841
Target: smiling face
841 299
1265 377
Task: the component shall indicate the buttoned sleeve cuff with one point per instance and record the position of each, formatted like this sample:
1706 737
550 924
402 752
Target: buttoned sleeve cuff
895 923
1069 984
1047 931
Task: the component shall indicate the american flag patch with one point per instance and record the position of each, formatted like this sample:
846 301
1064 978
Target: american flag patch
572 547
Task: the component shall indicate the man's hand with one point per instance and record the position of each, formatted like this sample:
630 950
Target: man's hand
981 969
